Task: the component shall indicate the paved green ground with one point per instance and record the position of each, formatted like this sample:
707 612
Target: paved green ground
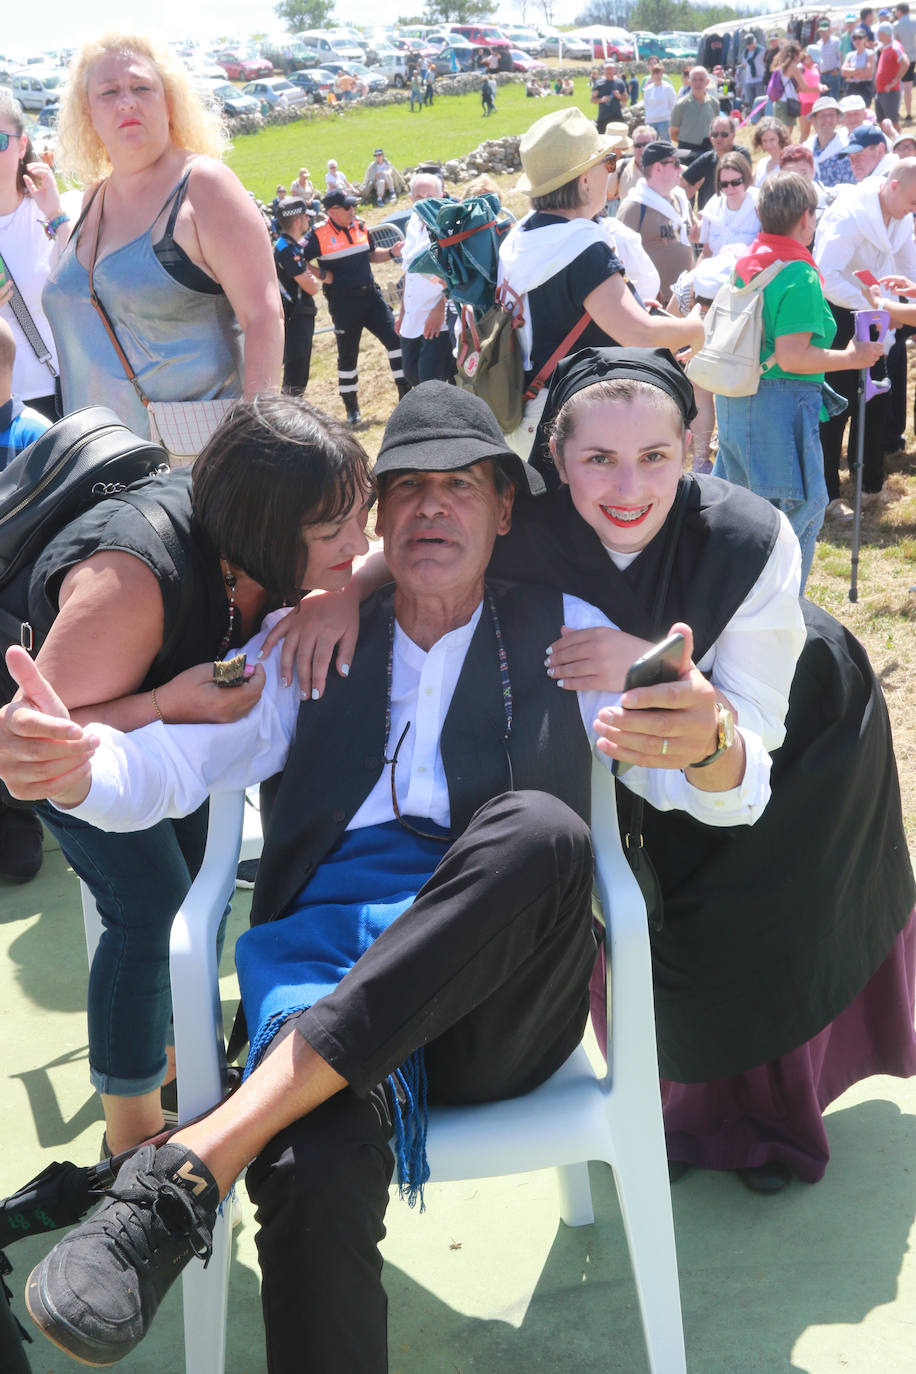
819 1279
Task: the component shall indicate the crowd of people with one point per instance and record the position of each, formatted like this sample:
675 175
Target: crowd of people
421 921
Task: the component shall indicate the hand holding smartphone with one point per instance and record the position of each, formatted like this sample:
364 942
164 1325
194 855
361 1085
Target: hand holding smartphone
662 663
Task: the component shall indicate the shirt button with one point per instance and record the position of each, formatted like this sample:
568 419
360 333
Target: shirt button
429 691
339 816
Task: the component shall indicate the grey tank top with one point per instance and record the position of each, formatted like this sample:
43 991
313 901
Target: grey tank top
184 344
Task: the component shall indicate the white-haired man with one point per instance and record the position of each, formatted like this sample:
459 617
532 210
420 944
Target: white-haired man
425 344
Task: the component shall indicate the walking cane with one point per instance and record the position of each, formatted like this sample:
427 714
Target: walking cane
865 321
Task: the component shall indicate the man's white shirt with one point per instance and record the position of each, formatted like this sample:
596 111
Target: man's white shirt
140 778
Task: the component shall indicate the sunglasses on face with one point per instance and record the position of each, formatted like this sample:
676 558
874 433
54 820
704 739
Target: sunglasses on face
721 133
729 185
6 140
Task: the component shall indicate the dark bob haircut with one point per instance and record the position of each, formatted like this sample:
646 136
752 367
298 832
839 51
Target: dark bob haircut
275 466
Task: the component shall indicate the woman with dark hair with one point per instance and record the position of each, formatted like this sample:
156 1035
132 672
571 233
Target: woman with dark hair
277 501
770 441
730 217
33 231
770 137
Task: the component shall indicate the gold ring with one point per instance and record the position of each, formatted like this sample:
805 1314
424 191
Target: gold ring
665 745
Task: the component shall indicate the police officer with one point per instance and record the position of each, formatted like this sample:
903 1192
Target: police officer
298 285
343 249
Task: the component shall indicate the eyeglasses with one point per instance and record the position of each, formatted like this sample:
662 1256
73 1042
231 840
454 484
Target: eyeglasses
721 133
5 140
729 185
644 144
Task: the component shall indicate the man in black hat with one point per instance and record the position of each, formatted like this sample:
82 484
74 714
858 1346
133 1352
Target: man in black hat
657 208
448 765
344 251
298 287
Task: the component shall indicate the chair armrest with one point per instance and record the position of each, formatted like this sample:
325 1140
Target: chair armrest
630 1001
196 1009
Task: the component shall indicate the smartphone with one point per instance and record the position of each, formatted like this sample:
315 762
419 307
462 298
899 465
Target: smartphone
662 663
866 278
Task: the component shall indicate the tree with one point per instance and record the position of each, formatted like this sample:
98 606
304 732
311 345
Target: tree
305 14
458 11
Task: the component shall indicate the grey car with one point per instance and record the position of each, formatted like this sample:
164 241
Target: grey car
275 90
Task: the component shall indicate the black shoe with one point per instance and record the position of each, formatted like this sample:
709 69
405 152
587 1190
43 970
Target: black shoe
766 1178
21 844
98 1290
403 387
353 416
247 870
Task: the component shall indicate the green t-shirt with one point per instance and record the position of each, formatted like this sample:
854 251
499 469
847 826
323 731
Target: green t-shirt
794 303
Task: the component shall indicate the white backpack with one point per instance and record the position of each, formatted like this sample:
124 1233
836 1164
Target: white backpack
729 363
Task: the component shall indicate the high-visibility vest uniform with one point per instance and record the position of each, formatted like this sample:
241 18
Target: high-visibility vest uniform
345 252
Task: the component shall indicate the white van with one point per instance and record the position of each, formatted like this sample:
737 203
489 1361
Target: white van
330 44
36 87
396 66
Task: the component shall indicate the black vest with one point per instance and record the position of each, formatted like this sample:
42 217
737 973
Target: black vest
772 929
337 755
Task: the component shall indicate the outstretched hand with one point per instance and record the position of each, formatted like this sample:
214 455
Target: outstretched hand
43 753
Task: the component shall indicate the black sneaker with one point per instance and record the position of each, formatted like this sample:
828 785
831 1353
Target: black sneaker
353 416
98 1290
246 873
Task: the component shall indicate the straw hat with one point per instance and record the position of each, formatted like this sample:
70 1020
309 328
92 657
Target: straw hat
563 145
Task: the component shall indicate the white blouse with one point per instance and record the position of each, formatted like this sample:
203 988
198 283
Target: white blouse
720 226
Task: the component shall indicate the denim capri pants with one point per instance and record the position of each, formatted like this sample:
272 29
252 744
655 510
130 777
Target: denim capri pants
770 442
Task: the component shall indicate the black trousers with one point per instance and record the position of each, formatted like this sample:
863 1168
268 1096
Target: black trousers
846 383
352 312
488 970
297 353
428 360
896 370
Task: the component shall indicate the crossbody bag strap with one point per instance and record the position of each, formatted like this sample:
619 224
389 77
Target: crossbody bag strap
103 313
633 837
27 324
543 377
154 514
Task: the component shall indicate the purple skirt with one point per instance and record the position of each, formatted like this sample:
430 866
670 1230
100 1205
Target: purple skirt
773 1112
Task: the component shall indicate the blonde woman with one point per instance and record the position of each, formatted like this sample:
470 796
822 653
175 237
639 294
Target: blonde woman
183 262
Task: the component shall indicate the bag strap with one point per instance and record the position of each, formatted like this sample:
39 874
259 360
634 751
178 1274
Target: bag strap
543 377
161 523
633 836
103 313
27 324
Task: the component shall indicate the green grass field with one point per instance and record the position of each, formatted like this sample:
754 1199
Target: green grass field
454 125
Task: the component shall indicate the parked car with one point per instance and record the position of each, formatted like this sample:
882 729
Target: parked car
231 99
525 39
37 87
332 43
396 68
316 82
615 43
376 81
521 62
48 117
206 71
443 65
575 48
276 90
482 35
239 68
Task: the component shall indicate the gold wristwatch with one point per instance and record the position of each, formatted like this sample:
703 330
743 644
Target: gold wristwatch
725 736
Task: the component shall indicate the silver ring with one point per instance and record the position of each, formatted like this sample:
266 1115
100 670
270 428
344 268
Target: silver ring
665 745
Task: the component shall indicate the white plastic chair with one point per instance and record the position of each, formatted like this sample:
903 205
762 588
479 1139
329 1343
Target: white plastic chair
576 1116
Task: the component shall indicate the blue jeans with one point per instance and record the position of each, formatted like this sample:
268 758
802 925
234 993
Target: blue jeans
663 128
771 443
139 881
